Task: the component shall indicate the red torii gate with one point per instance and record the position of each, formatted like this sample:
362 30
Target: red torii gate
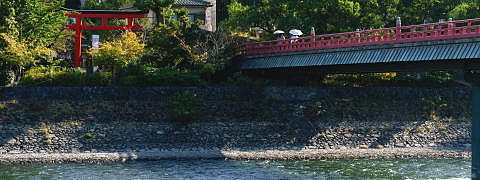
104 15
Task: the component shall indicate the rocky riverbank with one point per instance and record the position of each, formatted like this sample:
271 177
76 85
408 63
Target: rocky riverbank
68 137
303 124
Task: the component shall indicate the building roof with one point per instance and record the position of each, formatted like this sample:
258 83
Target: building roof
199 3
104 11
180 3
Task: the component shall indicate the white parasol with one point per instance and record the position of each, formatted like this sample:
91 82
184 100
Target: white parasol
296 32
279 32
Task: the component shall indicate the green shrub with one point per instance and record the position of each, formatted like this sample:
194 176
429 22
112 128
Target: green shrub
138 75
71 124
132 75
386 128
3 106
239 79
184 107
56 76
119 53
88 136
427 79
129 80
7 77
166 77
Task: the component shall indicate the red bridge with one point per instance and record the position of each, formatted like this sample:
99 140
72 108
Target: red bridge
400 34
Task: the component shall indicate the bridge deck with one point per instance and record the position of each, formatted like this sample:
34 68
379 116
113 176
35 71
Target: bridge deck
430 53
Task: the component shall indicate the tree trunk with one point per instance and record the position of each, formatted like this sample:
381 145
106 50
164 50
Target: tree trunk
114 74
159 16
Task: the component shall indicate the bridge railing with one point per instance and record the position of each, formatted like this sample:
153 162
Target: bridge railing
469 28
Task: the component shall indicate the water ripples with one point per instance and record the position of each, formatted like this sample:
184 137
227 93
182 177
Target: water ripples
213 169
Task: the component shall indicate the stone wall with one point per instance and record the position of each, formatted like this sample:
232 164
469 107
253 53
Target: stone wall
272 93
123 93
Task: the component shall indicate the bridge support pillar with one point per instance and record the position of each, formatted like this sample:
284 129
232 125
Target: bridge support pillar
476 131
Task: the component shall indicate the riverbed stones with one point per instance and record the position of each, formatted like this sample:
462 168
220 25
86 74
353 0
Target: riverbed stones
138 136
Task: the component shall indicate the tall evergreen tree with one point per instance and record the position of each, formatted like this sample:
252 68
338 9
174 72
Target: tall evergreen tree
158 6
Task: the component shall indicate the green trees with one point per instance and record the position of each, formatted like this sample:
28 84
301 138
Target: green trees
106 4
330 16
37 21
466 10
119 53
326 16
30 31
158 6
378 13
180 45
171 44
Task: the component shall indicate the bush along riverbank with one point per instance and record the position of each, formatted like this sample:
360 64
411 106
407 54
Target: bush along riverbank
234 123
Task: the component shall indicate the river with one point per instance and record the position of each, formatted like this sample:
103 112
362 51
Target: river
218 169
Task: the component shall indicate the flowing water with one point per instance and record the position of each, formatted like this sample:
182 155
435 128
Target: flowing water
217 169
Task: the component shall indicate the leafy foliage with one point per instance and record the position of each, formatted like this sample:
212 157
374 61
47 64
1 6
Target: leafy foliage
330 16
15 52
105 36
181 45
137 75
425 79
30 32
184 107
242 80
466 10
118 53
326 16
158 6
171 44
132 75
57 76
39 21
106 4
89 136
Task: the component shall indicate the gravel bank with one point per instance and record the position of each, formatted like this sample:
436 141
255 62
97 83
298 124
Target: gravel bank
240 136
319 154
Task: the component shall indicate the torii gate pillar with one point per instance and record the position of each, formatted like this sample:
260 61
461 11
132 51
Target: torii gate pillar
77 55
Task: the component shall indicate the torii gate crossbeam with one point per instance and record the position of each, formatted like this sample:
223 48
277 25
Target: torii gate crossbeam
78 25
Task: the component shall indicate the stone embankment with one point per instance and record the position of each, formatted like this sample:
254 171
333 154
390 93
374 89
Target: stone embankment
53 125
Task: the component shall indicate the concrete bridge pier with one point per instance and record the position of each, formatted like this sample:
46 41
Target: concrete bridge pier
471 79
476 130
